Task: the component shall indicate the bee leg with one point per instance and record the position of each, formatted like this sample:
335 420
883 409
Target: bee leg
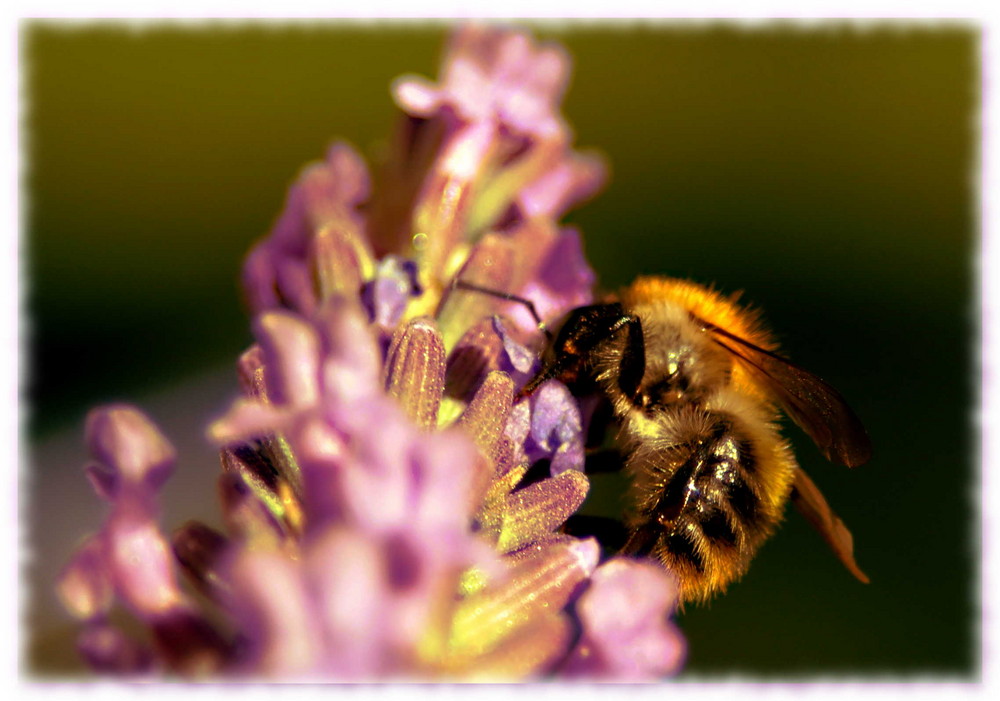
640 543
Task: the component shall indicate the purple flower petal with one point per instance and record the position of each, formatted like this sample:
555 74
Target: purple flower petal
492 74
279 270
260 278
522 359
245 420
134 453
556 431
275 612
387 295
140 561
626 632
291 351
84 586
350 601
363 538
352 362
107 649
570 179
324 192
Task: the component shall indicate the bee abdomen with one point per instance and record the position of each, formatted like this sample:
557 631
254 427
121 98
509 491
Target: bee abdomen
702 496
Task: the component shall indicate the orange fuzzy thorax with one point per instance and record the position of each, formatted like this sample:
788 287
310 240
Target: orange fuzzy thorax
708 305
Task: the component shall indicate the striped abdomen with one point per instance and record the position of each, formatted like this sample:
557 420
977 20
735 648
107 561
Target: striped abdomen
709 484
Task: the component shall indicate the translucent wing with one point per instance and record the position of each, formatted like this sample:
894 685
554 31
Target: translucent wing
815 406
811 504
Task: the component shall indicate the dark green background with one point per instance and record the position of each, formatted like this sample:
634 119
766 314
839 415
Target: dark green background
830 174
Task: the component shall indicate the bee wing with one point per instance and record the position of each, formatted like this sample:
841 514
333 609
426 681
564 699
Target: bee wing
815 406
811 504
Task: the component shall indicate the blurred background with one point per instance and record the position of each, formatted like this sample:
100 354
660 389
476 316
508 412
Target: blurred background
828 172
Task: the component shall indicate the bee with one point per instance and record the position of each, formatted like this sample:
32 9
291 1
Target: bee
695 386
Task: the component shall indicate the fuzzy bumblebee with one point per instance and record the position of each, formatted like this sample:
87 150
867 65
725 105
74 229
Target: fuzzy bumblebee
696 387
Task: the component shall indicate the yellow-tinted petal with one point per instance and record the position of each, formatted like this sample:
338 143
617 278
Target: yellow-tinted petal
415 371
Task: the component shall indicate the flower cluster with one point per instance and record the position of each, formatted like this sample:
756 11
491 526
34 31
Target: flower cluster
378 523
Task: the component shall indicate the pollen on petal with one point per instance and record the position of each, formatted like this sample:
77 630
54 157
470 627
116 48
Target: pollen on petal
537 509
486 416
415 369
536 585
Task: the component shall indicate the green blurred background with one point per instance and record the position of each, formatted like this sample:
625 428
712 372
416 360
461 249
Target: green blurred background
829 172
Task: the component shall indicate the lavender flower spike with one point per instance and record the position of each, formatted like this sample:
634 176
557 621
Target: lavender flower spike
382 515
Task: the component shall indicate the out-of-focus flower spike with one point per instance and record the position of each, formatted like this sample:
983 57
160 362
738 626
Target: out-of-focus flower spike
324 193
291 351
296 286
535 586
626 631
276 614
130 447
350 600
259 276
445 204
572 179
501 186
536 510
486 416
492 74
491 265
199 550
414 371
84 586
141 562
415 148
374 527
246 420
108 650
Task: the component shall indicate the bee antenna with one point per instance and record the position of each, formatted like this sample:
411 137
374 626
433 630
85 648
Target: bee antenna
507 296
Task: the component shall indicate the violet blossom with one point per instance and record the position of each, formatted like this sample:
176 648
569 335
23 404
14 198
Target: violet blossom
376 523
